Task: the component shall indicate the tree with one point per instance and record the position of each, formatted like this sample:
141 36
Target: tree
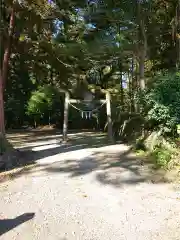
9 11
4 68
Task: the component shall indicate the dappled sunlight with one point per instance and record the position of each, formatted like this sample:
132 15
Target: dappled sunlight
44 147
116 168
65 154
85 153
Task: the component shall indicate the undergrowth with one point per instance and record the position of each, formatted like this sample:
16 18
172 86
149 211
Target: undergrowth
162 157
159 156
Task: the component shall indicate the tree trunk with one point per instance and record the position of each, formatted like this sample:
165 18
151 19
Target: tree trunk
109 119
3 73
121 87
66 112
136 87
49 120
2 120
131 78
178 35
142 68
7 51
142 46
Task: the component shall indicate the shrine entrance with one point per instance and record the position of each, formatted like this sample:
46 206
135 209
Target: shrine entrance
88 110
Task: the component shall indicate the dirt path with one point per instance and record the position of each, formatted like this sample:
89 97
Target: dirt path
86 193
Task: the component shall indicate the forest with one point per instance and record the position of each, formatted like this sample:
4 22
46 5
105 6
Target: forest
129 47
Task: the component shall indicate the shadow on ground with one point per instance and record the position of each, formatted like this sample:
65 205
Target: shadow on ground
8 224
30 146
22 138
117 167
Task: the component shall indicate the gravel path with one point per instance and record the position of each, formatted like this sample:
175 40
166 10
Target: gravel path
99 193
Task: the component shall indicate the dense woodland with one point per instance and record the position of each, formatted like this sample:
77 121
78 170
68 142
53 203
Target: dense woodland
129 47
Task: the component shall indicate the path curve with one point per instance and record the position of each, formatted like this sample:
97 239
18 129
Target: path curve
83 193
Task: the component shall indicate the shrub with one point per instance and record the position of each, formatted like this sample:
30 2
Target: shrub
162 157
43 103
163 103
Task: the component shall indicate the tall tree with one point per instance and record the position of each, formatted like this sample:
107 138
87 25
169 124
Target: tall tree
4 67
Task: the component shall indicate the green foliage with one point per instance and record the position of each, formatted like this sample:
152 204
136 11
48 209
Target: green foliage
161 157
43 102
163 102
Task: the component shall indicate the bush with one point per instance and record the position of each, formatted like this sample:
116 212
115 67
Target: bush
42 103
162 157
162 103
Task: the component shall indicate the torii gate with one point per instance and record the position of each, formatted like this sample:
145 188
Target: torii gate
67 102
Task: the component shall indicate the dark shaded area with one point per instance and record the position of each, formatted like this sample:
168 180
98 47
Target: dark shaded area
8 224
128 126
